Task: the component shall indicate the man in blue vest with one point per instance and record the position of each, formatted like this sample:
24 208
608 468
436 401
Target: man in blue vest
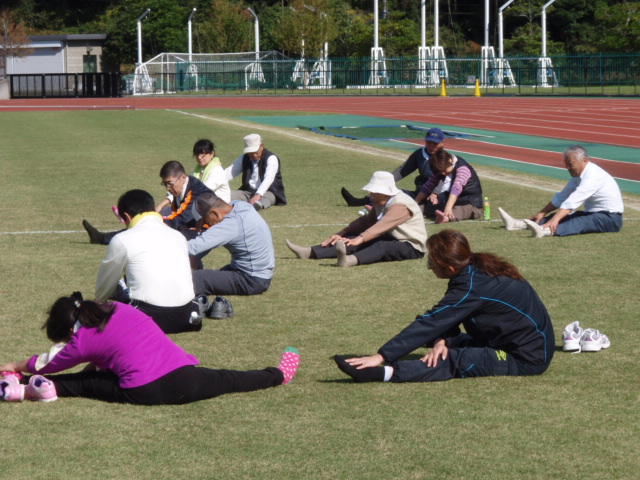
261 178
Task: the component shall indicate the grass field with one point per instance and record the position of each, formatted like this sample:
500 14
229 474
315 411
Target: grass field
579 420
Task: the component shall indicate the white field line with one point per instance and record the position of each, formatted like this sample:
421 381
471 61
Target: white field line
299 225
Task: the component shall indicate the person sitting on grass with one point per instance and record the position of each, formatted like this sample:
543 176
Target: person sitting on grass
418 160
508 329
240 229
589 185
136 362
262 184
392 231
155 262
184 189
208 170
453 191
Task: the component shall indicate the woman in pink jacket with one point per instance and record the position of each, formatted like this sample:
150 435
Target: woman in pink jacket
130 361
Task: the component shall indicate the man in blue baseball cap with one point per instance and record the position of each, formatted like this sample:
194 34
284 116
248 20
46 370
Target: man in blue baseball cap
418 160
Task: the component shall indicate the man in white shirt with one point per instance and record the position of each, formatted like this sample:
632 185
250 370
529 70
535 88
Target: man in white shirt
155 260
589 185
261 178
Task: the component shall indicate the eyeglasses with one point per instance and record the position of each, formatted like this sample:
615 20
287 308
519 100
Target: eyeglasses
170 184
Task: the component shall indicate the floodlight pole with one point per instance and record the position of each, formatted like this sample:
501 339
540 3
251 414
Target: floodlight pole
500 27
423 26
544 28
486 24
375 27
193 12
436 14
256 27
140 18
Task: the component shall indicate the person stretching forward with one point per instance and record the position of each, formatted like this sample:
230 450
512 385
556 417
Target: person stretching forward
392 231
590 185
136 362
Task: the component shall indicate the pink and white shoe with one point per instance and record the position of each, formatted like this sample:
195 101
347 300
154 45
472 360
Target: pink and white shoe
289 364
40 389
5 375
10 388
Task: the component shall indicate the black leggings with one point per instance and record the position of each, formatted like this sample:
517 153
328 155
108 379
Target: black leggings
171 319
381 249
183 385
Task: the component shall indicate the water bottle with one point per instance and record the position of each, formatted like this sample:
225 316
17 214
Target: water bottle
486 209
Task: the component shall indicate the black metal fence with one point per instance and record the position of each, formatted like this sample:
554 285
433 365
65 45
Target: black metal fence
58 85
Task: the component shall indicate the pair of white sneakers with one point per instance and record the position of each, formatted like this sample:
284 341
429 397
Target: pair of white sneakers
575 339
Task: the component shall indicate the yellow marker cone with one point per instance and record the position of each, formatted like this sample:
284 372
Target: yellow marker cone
477 91
443 88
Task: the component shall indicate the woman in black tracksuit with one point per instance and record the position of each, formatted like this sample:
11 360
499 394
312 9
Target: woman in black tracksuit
508 329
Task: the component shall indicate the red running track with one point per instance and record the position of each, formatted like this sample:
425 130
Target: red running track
628 171
594 120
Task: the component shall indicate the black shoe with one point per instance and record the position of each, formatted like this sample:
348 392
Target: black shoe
202 301
351 200
371 374
220 308
95 235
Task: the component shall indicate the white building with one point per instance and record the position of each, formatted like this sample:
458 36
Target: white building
80 53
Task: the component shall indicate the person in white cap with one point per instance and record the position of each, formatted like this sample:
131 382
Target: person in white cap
261 177
393 230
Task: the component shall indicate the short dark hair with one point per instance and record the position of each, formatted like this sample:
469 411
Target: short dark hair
66 311
207 201
440 161
203 146
171 169
135 202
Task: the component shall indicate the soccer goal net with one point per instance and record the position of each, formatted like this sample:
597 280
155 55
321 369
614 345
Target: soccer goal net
176 72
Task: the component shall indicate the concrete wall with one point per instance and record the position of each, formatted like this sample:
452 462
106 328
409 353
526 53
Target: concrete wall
75 56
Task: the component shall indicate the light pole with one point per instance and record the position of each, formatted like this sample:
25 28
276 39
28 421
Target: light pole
544 27
545 70
140 18
505 68
501 27
256 28
256 69
193 12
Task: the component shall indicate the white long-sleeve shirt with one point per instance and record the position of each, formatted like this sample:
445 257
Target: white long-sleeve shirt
594 188
270 172
218 183
155 259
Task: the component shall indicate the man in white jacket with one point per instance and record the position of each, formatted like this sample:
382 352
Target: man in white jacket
155 261
589 185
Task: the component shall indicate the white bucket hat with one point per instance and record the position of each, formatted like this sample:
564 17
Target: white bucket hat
382 182
252 143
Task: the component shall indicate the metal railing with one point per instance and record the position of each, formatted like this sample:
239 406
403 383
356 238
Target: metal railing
57 85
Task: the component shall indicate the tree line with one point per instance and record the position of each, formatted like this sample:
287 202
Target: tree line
347 26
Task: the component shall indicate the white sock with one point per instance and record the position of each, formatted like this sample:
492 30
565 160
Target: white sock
388 373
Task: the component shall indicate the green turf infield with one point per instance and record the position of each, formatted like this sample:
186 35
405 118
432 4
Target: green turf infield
577 421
